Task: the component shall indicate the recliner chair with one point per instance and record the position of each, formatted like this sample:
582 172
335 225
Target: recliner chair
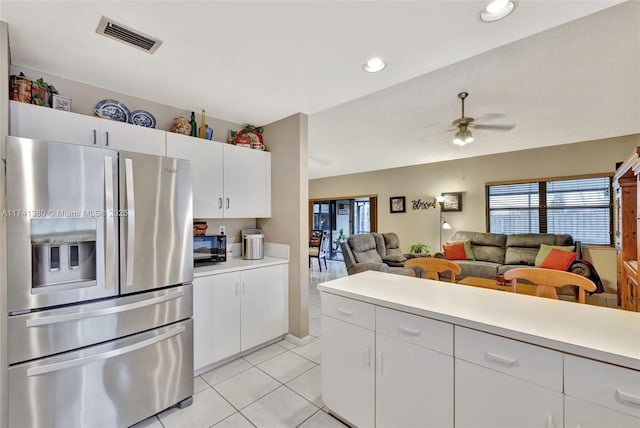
368 252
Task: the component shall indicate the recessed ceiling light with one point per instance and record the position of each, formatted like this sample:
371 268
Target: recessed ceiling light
497 9
374 65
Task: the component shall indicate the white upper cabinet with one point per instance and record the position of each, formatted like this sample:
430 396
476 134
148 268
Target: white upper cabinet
247 182
133 138
228 181
207 163
41 123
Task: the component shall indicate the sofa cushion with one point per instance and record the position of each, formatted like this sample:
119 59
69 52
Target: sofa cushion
559 260
455 251
467 248
520 256
533 240
392 244
489 254
477 268
488 247
546 249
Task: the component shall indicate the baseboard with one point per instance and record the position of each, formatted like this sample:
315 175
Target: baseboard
296 340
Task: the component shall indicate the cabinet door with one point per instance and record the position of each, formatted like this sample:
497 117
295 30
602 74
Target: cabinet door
41 123
486 398
414 385
263 305
582 414
206 164
348 377
216 318
246 179
133 138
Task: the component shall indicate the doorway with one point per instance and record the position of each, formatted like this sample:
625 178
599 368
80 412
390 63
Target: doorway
342 217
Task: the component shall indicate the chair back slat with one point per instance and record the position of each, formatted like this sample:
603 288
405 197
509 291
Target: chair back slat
432 266
548 280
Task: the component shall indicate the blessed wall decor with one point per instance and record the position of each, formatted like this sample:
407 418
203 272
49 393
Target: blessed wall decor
419 204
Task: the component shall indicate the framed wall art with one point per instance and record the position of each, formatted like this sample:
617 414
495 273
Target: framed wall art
452 201
397 204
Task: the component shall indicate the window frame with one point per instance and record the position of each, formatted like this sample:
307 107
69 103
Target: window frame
542 205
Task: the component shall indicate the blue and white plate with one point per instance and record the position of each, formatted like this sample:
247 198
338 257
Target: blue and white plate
143 118
112 109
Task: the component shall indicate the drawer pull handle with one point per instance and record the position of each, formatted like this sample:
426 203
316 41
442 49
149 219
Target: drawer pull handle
502 360
410 331
345 312
630 398
550 422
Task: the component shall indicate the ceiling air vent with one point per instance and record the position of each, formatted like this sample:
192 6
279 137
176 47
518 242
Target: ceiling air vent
114 30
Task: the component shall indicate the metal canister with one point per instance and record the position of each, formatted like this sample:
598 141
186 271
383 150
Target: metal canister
252 244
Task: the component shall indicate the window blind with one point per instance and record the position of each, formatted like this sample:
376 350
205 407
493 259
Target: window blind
579 207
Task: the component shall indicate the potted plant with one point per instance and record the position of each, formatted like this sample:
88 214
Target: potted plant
342 237
419 248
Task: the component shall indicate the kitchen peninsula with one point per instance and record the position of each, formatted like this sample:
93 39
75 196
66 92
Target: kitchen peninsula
400 351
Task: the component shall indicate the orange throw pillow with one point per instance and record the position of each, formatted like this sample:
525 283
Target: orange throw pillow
558 259
455 251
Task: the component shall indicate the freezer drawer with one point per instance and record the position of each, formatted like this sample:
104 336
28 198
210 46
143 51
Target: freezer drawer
39 334
115 384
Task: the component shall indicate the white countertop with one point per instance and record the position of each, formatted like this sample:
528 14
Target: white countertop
235 264
605 334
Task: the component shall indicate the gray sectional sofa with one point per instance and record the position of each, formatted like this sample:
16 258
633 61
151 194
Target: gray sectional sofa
497 253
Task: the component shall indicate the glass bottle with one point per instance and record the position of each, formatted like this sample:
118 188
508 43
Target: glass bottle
194 127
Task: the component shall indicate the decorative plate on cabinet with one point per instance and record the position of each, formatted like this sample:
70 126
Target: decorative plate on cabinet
112 109
143 118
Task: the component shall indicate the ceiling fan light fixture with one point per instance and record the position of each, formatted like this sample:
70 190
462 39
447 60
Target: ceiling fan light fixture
463 137
374 65
497 10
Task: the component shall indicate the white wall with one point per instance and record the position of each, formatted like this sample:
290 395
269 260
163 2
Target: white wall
469 176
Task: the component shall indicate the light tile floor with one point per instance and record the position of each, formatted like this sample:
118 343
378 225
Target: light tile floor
276 386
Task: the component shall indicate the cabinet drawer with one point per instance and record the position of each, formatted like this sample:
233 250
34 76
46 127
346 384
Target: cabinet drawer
604 384
522 360
421 331
349 310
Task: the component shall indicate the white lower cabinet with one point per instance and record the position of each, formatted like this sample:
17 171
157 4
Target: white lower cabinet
216 318
383 378
236 311
413 385
387 368
486 398
348 377
263 305
599 394
583 414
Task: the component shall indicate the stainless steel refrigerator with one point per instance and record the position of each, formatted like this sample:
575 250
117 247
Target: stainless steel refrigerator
99 290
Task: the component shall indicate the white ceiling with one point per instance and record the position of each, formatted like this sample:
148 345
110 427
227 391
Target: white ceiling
257 62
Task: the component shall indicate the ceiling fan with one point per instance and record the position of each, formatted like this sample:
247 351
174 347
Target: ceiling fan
463 124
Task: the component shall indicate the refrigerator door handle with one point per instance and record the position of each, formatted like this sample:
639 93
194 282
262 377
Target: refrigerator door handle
110 219
80 315
131 219
62 365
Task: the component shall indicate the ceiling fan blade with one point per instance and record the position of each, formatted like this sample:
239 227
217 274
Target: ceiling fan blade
489 116
494 127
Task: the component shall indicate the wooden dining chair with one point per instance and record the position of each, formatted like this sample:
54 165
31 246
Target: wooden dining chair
547 280
431 267
319 247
